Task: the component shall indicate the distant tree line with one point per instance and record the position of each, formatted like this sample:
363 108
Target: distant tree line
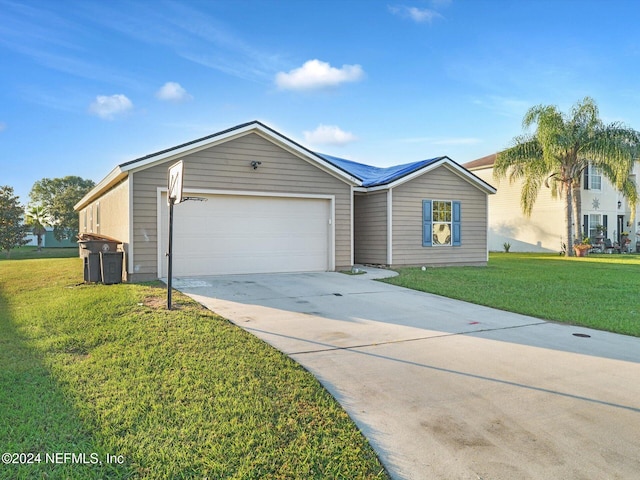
51 205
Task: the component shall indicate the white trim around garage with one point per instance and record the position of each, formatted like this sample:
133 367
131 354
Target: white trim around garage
161 256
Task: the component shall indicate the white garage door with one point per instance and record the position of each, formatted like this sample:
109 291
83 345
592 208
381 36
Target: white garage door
248 234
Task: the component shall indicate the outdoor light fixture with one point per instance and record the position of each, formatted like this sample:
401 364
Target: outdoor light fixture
255 163
619 202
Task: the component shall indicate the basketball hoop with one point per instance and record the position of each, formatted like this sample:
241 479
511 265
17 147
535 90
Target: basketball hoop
174 185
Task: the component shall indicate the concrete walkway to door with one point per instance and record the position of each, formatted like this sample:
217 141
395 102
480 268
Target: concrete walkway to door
445 389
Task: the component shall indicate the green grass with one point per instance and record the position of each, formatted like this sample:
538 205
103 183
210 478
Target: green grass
597 291
22 253
178 394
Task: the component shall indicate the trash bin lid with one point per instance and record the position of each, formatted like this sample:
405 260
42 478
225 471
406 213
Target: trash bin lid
84 237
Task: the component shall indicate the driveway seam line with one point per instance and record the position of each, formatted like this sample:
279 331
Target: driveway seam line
391 342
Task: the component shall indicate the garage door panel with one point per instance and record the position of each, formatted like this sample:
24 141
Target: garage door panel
250 234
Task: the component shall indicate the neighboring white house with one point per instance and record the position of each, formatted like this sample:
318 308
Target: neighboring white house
545 230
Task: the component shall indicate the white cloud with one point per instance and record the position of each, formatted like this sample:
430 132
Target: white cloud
419 15
315 74
423 15
329 134
108 107
173 92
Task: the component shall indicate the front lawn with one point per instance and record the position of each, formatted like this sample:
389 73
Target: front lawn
598 291
25 252
94 370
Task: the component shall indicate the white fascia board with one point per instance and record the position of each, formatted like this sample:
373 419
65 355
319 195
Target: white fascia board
107 182
124 169
308 156
283 142
176 153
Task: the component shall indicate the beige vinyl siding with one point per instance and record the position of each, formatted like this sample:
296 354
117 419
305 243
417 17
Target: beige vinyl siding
370 228
109 214
227 166
544 231
439 184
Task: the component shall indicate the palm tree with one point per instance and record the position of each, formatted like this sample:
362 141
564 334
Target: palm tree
559 150
38 217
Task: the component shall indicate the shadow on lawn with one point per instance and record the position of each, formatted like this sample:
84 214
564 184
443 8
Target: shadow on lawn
39 427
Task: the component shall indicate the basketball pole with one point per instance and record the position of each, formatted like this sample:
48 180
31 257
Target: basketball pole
174 195
170 254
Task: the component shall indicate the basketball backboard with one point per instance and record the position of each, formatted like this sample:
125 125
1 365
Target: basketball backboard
174 194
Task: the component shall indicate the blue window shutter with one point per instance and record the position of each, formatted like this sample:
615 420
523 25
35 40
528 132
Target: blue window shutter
426 223
456 224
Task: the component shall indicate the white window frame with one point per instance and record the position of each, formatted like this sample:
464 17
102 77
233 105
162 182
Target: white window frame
454 222
595 178
435 222
594 219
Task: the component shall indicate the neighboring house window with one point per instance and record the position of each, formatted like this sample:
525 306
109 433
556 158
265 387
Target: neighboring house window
591 222
441 224
592 178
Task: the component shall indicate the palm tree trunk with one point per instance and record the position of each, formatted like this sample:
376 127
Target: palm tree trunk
569 212
577 210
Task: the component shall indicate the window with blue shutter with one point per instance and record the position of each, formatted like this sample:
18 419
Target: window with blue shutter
426 223
456 226
441 223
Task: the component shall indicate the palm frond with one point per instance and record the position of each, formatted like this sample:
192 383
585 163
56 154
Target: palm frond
512 161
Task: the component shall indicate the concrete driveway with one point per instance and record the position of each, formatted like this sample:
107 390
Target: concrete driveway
444 389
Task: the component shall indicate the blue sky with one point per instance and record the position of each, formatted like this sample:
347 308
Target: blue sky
86 85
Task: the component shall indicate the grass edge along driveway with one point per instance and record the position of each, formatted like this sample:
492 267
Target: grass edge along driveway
598 291
96 370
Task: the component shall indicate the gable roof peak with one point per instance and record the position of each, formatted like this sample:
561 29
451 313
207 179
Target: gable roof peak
377 176
212 136
483 162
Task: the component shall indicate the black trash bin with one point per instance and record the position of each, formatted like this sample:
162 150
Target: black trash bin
92 272
91 248
111 267
88 247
